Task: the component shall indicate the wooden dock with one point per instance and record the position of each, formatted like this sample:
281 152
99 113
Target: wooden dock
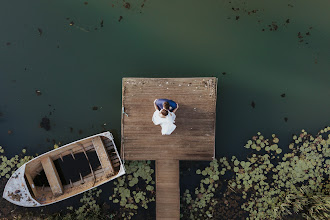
193 139
167 189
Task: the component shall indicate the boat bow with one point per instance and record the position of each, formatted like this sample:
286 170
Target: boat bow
17 192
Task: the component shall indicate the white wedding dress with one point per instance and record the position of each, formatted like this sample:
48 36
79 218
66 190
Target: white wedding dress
167 123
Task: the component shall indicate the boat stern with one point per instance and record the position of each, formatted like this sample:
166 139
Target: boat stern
17 192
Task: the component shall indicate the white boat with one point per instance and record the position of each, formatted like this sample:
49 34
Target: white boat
65 172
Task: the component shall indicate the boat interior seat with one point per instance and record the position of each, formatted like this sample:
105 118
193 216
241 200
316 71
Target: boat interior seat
103 156
52 176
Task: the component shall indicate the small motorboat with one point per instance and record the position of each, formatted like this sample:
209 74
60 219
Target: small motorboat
65 172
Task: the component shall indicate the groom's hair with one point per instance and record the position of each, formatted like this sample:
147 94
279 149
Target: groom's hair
164 112
166 105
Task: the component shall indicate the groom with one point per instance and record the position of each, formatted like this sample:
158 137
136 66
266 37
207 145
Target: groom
166 104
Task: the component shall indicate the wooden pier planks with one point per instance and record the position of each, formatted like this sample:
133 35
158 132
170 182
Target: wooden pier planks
194 137
167 189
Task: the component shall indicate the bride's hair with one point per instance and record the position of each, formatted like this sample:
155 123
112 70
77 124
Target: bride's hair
164 112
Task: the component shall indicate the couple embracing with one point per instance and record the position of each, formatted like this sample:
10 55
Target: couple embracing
164 115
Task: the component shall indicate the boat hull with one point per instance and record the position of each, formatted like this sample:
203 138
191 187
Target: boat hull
20 192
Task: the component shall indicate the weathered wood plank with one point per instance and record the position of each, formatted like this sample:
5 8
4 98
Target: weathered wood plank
167 189
195 118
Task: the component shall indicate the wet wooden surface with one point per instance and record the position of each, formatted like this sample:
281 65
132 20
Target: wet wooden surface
193 139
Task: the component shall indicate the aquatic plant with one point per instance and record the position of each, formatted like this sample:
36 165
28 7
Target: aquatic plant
89 208
266 178
228 206
313 205
134 190
9 165
201 203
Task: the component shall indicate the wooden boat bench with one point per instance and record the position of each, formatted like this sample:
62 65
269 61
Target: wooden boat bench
103 156
52 176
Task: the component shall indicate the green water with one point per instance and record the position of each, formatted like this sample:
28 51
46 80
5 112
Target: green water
77 67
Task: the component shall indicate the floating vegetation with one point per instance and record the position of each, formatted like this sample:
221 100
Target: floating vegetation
266 180
89 208
314 205
8 166
73 23
45 123
268 177
302 36
134 190
201 202
273 26
127 5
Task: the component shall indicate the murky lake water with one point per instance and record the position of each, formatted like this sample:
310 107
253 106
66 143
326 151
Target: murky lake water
77 67
258 50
